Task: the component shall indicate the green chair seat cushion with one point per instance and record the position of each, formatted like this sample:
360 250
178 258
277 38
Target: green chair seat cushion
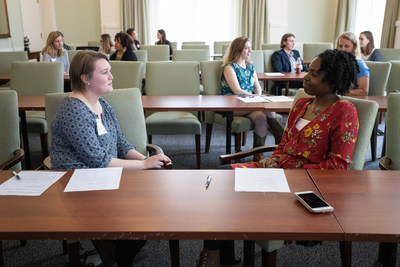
172 122
36 122
270 245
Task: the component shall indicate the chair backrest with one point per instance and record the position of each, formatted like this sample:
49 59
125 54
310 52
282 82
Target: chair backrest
9 125
191 55
257 57
193 42
273 47
127 74
366 111
37 78
267 60
311 50
71 54
211 76
141 55
128 107
225 48
156 52
173 78
393 130
6 58
94 43
390 54
196 46
393 83
218 46
379 75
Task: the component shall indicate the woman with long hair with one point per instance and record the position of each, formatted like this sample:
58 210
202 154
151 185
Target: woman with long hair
368 50
107 46
162 40
55 51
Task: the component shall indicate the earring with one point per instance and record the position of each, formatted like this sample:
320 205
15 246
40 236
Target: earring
88 84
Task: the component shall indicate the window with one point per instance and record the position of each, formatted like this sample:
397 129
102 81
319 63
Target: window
194 20
369 17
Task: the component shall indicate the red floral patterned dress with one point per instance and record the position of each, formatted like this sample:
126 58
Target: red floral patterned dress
326 142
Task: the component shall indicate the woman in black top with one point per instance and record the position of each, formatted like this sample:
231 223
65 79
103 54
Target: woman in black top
123 46
162 40
133 34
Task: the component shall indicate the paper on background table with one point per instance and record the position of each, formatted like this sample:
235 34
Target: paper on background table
260 180
32 183
94 179
279 98
274 74
253 99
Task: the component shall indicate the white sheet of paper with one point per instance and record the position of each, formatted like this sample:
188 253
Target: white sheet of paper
279 98
274 74
260 180
94 179
32 183
253 99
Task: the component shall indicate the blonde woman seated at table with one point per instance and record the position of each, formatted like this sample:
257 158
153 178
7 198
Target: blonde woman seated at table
107 47
54 50
367 46
348 42
86 134
240 78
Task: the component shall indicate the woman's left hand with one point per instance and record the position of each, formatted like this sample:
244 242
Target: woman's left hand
268 163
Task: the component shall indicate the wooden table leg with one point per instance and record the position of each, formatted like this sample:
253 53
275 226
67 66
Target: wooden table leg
174 253
73 254
345 253
248 253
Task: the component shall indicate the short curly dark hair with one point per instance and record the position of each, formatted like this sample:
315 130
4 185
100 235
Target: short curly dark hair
341 70
124 39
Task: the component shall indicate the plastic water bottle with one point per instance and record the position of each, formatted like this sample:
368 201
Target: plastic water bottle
299 66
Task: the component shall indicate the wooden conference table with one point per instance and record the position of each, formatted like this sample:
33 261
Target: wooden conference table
166 205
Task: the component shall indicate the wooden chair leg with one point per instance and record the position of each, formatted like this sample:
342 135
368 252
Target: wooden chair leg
345 253
238 142
209 127
268 259
248 253
1 254
374 140
198 152
174 253
244 138
73 254
23 243
387 254
384 144
65 247
43 142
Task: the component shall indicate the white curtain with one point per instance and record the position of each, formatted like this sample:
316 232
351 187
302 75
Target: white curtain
389 23
135 15
345 19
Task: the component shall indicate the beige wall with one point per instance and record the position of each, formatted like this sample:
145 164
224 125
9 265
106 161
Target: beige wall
78 20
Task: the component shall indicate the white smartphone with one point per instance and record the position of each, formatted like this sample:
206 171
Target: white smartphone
313 202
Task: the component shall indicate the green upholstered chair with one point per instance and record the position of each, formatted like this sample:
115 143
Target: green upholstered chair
393 83
268 67
225 48
10 149
141 55
390 54
156 52
257 58
37 78
311 50
379 75
196 46
191 55
273 47
127 74
94 43
193 42
169 79
6 58
391 161
218 46
71 54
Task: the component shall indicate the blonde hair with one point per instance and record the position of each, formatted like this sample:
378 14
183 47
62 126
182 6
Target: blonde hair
107 43
235 50
353 39
49 48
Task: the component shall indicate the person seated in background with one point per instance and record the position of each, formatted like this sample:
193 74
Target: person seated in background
132 33
347 41
124 48
284 60
86 134
55 51
367 46
66 47
162 40
107 46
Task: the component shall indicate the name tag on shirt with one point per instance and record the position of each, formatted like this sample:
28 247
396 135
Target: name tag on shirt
100 127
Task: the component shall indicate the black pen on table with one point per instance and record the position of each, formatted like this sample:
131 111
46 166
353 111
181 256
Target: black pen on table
209 178
16 175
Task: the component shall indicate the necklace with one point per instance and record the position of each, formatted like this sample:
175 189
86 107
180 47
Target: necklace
316 111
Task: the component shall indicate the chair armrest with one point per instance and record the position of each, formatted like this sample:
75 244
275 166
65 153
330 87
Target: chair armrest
226 159
153 149
18 156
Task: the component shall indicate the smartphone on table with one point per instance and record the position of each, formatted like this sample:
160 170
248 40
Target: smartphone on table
313 202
